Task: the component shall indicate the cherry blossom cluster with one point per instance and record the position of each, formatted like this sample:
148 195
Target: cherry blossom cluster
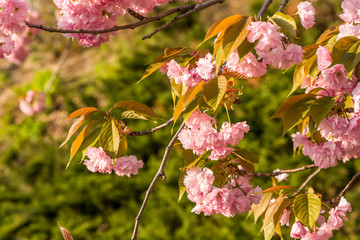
98 15
100 162
204 71
33 102
234 198
201 136
13 14
340 131
351 16
326 228
307 14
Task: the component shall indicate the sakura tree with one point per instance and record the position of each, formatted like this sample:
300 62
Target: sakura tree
217 173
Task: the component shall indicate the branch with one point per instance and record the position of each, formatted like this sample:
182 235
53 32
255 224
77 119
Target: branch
146 132
263 9
306 182
282 6
192 7
272 174
197 8
346 188
160 173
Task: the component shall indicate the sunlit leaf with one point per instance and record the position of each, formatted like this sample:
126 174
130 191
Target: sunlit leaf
320 108
65 233
341 47
76 125
273 215
182 188
214 91
286 23
297 113
79 140
245 154
307 208
351 58
328 34
109 138
260 208
280 113
90 140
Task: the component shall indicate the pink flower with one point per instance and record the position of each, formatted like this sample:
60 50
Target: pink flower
127 165
338 214
34 102
13 14
285 218
267 35
348 29
198 183
356 98
281 177
335 77
294 53
205 68
351 11
249 65
307 14
99 161
6 45
298 230
178 73
232 134
324 58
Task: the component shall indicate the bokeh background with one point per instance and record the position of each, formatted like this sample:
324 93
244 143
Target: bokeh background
36 192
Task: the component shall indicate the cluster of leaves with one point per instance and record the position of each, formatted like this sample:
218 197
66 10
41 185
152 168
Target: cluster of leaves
111 134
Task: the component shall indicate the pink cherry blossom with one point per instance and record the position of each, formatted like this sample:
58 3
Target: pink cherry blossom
127 165
34 102
324 58
348 29
298 230
281 177
266 33
205 68
249 65
6 45
99 161
285 218
351 11
307 14
13 14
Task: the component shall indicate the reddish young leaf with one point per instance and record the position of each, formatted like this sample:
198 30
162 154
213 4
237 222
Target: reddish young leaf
66 234
82 111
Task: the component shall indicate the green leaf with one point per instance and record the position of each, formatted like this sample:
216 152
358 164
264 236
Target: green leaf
310 50
191 159
341 47
214 91
260 208
351 58
320 108
78 141
193 105
286 23
133 115
280 113
109 138
307 209
297 113
136 106
245 154
245 47
273 215
299 76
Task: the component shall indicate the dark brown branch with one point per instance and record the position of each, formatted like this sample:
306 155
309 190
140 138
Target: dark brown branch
135 14
346 188
263 9
191 7
197 8
160 173
146 132
272 174
282 6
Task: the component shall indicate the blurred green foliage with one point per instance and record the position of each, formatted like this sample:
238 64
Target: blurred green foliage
36 192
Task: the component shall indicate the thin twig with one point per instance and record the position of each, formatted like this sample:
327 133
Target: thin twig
346 188
160 173
199 6
272 174
263 9
308 179
282 6
57 68
146 132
